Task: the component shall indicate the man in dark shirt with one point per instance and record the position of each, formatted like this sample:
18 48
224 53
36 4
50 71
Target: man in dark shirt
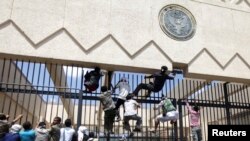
54 131
92 78
157 84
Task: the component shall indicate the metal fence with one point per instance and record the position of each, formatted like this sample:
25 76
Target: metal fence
41 90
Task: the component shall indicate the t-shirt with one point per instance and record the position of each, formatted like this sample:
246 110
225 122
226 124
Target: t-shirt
67 134
55 132
28 135
159 80
107 101
130 107
166 105
11 137
42 134
194 116
124 89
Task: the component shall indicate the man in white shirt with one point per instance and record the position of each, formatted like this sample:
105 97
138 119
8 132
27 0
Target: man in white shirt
124 89
131 114
67 133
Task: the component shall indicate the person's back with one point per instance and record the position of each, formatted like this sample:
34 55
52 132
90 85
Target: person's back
42 134
28 134
4 128
4 125
124 88
167 106
130 107
67 133
13 135
107 100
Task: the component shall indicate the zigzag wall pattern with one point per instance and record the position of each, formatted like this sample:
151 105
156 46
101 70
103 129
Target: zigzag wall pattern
110 37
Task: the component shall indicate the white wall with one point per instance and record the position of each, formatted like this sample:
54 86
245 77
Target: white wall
119 33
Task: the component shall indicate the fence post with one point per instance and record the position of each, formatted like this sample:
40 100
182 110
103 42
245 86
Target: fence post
227 103
79 113
180 119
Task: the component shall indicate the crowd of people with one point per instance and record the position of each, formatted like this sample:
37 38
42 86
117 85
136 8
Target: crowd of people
57 131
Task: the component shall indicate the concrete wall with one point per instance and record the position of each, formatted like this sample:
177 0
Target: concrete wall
126 35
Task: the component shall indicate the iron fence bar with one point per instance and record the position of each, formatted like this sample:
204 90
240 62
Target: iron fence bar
79 115
227 103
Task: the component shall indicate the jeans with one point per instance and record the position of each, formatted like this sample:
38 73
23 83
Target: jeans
196 132
126 124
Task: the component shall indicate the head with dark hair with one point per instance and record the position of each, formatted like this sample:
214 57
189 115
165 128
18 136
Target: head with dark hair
104 88
164 68
3 116
91 134
196 108
97 69
57 120
42 124
67 122
129 96
123 79
27 125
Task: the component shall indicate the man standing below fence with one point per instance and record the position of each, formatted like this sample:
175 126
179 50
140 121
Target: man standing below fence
194 113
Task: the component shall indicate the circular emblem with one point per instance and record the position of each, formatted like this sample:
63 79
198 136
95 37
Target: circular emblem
177 22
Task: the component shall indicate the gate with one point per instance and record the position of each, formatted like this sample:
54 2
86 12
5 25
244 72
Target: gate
44 90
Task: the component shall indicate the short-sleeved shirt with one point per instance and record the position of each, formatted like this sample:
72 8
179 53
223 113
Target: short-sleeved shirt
67 134
107 101
124 89
159 80
28 135
42 134
130 107
194 116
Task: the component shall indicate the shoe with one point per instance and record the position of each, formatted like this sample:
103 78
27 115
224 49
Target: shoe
152 130
123 138
131 134
137 130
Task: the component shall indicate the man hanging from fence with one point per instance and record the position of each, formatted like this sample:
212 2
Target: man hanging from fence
124 89
108 108
169 113
92 78
131 107
157 84
194 113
